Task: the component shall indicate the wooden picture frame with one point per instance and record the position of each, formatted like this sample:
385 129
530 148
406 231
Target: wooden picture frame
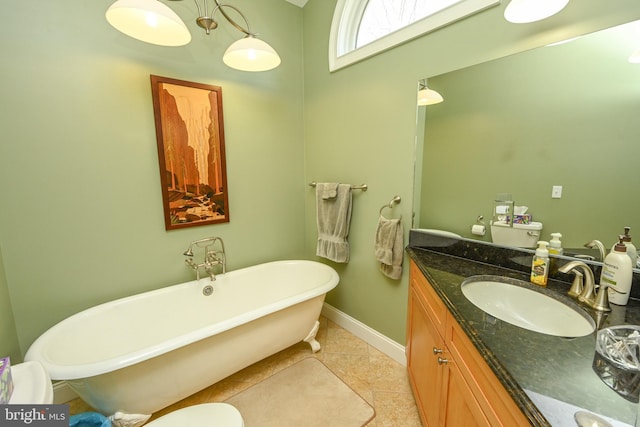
191 152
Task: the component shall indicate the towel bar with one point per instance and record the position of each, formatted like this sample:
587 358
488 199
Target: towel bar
393 201
362 187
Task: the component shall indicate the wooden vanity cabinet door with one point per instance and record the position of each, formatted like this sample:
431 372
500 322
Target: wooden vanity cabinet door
431 301
495 401
460 405
464 391
425 374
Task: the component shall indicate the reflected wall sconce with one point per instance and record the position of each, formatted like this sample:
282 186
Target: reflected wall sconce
428 96
525 11
154 22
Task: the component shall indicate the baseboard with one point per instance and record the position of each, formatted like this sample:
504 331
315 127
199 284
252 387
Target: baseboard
365 333
62 393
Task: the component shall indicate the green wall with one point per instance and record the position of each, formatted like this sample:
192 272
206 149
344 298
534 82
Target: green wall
360 127
562 115
81 219
9 345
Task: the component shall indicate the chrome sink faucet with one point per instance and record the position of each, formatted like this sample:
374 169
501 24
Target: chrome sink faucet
211 258
597 300
597 244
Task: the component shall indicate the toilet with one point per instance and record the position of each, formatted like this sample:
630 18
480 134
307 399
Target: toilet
31 384
520 235
202 415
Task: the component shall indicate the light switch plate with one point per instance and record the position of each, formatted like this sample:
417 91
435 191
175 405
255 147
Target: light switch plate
556 192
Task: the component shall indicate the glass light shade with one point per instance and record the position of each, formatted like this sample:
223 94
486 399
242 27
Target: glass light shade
149 21
524 11
635 57
428 96
251 54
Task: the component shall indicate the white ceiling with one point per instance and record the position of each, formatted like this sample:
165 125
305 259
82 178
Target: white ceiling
300 3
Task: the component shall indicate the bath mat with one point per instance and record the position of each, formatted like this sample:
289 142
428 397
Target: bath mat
304 394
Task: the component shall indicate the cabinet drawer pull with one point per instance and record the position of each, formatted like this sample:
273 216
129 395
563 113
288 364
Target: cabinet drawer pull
437 350
442 361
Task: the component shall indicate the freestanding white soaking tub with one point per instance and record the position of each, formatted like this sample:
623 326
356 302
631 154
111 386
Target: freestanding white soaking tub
142 353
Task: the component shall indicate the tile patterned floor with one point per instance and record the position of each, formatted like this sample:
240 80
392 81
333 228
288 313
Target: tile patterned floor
378 379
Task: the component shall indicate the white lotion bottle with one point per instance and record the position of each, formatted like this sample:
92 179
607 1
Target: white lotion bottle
631 249
617 274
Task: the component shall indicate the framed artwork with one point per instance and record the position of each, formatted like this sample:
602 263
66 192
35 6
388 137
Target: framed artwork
191 152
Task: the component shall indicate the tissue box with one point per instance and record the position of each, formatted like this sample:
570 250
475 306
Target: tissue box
522 219
6 382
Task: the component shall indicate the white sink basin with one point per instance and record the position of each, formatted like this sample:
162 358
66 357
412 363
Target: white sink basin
525 305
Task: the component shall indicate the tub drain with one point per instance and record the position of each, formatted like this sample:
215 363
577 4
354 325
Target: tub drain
207 290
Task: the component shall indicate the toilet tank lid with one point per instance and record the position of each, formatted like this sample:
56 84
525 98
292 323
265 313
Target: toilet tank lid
203 414
531 226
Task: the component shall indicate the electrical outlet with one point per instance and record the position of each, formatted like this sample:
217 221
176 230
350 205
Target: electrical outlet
556 192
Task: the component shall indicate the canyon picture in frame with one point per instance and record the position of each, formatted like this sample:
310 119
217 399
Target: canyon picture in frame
191 152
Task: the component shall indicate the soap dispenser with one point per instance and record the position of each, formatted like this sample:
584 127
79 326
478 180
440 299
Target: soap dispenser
617 273
540 264
555 248
555 245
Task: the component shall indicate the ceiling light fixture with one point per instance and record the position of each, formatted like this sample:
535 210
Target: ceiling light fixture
525 11
153 22
428 96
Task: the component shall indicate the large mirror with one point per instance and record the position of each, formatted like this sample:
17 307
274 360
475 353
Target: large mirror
566 115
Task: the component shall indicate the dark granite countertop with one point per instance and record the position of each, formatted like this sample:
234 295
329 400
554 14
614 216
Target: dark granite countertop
555 367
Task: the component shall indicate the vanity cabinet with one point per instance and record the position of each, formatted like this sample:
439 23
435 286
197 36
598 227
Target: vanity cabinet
452 384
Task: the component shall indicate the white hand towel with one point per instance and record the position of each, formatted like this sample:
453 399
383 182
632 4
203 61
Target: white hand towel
389 247
333 219
330 190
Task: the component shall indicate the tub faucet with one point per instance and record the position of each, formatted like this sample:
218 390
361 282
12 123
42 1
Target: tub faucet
209 269
217 258
211 259
597 300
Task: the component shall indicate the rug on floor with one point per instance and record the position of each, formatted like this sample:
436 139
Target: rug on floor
304 394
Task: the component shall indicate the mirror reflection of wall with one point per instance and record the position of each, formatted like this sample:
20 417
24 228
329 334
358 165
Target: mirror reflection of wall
564 115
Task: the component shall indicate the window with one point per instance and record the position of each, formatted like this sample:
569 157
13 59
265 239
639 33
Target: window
362 28
382 17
